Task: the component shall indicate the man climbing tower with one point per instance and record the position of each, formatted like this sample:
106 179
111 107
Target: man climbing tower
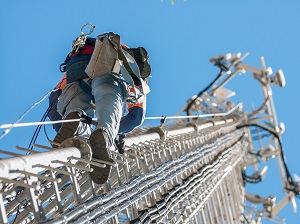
95 72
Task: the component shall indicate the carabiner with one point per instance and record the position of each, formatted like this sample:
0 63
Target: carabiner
63 67
91 30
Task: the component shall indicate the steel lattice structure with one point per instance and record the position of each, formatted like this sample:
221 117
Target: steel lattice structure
189 170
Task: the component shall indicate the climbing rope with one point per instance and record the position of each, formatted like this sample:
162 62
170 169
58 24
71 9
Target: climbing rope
16 124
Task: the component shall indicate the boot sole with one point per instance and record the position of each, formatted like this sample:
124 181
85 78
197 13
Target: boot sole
98 144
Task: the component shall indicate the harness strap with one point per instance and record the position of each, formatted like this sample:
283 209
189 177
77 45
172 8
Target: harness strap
75 71
87 89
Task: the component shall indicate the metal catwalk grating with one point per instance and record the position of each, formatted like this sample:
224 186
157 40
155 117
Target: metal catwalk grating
183 178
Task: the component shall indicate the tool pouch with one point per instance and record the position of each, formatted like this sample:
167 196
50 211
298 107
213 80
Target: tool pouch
104 59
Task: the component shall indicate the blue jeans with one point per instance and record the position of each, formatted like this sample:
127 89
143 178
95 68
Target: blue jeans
109 91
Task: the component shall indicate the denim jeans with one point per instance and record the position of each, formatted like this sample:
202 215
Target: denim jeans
109 91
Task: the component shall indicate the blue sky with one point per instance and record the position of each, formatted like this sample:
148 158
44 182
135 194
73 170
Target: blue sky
180 39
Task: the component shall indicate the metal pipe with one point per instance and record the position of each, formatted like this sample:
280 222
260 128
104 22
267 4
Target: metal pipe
27 162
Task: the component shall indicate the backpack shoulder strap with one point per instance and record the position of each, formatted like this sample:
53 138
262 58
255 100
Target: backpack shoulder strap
127 60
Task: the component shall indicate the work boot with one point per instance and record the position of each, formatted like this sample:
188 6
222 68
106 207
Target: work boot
67 129
100 148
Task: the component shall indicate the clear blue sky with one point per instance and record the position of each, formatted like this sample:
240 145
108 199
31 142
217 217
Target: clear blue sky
180 39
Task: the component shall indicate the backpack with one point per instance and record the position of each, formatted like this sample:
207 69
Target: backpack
141 57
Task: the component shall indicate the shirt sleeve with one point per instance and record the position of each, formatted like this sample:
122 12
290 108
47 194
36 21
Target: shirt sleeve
62 83
134 118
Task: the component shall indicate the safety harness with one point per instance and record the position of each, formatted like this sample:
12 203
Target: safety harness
93 57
